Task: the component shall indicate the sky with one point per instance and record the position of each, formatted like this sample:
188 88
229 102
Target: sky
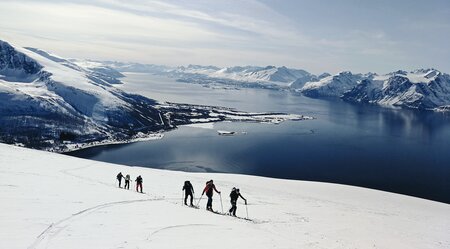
316 35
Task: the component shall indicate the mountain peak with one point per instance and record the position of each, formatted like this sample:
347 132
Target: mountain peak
16 66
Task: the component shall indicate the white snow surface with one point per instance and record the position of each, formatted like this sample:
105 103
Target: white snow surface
56 201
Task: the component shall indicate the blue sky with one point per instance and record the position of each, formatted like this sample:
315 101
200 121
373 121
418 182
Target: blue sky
321 35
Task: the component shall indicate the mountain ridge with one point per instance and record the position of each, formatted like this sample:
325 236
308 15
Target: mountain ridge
344 85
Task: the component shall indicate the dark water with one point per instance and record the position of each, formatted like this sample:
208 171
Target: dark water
399 151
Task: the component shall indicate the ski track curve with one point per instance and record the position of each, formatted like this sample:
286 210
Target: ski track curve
176 226
55 228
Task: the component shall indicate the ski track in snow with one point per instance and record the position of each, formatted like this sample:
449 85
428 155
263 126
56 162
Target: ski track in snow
55 228
177 226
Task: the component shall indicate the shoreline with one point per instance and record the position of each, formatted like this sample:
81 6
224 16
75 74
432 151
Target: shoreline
262 118
82 146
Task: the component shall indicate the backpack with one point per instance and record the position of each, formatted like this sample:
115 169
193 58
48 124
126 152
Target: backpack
209 189
234 195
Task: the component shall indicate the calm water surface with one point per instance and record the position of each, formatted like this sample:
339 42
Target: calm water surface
399 151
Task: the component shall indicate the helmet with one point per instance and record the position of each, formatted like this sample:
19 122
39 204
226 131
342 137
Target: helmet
234 189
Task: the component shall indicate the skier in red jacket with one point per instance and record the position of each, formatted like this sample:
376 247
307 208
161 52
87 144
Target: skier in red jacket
209 193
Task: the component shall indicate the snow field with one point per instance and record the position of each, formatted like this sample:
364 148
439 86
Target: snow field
56 201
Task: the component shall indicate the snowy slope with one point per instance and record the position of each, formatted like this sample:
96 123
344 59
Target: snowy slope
55 201
420 89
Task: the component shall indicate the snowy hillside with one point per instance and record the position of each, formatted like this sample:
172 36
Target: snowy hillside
46 99
421 89
332 86
55 201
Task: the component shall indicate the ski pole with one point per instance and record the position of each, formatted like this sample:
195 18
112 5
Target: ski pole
246 209
198 203
221 201
182 197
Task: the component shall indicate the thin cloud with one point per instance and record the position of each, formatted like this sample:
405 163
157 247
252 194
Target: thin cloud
221 33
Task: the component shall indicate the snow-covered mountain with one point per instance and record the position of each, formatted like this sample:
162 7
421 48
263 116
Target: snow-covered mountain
421 89
261 74
426 89
333 86
56 201
45 99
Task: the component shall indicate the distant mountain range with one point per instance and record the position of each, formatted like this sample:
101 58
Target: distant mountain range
421 89
425 89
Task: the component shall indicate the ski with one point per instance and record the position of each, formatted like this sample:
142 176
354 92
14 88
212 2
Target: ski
192 206
227 214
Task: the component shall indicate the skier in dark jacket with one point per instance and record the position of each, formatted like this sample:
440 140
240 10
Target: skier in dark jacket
209 193
234 195
119 178
138 183
188 191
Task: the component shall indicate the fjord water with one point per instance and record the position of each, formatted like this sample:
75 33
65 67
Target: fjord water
402 151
